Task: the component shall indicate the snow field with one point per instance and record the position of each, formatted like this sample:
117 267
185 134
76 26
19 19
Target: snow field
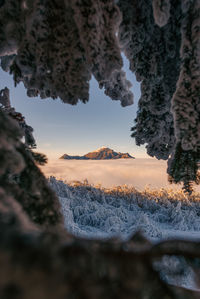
91 211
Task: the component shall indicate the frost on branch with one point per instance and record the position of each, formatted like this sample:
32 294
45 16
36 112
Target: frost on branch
27 131
54 47
118 88
186 99
153 53
161 56
20 178
97 23
9 110
184 163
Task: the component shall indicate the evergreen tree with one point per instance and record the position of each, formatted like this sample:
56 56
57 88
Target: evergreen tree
27 130
183 167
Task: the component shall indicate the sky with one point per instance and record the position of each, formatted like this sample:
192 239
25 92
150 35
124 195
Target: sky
61 128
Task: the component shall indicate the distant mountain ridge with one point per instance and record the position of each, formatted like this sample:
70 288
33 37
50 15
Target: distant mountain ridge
103 153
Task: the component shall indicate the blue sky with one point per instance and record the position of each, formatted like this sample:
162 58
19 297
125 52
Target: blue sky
61 128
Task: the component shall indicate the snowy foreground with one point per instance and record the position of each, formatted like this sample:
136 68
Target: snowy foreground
99 212
95 212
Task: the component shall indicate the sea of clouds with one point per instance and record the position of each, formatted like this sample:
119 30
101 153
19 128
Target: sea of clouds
138 173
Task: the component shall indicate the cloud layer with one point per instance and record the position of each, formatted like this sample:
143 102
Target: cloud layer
138 173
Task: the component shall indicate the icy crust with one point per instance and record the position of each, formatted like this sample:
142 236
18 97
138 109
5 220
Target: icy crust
96 212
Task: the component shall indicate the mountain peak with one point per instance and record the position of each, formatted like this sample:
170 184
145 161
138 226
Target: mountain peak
103 153
100 149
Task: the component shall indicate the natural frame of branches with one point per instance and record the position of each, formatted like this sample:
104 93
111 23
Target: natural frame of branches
54 47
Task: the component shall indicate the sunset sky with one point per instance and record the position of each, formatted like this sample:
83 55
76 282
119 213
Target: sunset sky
61 128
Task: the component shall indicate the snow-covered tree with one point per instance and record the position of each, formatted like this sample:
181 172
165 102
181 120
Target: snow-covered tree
55 47
9 110
27 131
153 53
183 166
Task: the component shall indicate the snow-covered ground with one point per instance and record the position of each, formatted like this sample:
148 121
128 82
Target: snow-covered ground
96 212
